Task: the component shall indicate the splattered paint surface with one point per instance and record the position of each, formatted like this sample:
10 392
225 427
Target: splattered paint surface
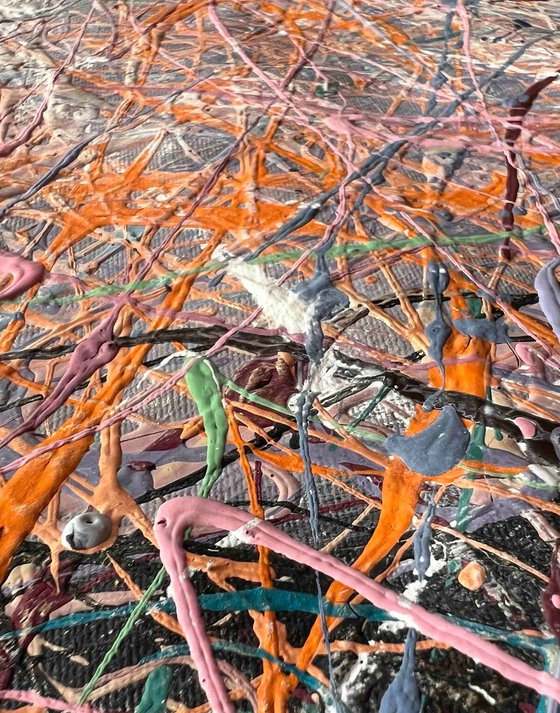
279 356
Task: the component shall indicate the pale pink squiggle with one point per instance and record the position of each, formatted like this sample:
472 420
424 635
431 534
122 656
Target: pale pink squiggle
174 516
18 462
45 702
277 89
508 151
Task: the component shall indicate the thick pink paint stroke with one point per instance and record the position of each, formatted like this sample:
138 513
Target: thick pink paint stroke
169 536
174 516
24 273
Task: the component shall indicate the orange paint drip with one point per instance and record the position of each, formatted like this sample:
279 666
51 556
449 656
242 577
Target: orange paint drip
264 625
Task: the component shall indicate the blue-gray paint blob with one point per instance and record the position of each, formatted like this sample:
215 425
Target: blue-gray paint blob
438 332
493 332
402 695
429 403
135 482
435 450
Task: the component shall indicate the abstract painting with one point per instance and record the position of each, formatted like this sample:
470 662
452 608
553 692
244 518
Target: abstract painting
279 356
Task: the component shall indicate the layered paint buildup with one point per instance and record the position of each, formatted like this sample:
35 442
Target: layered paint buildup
279 359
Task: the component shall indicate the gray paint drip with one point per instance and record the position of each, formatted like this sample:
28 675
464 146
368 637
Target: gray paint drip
402 695
324 300
86 530
303 406
422 540
437 331
555 440
548 290
435 450
304 401
493 332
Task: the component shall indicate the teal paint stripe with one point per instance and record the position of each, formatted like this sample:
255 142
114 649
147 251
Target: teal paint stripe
241 649
262 599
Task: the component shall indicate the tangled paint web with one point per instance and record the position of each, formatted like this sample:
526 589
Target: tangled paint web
291 262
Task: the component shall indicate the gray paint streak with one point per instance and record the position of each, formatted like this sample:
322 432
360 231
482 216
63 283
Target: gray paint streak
493 332
422 540
438 330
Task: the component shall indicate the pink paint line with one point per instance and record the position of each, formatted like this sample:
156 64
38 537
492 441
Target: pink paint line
44 702
174 516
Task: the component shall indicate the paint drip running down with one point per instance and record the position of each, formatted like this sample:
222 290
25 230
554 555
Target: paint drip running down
279 360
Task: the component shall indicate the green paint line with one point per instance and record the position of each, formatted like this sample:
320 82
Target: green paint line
123 633
254 398
155 691
475 451
204 386
278 600
255 599
369 409
345 250
241 649
473 472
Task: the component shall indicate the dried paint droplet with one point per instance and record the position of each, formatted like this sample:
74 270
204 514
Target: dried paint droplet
527 427
89 529
472 576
